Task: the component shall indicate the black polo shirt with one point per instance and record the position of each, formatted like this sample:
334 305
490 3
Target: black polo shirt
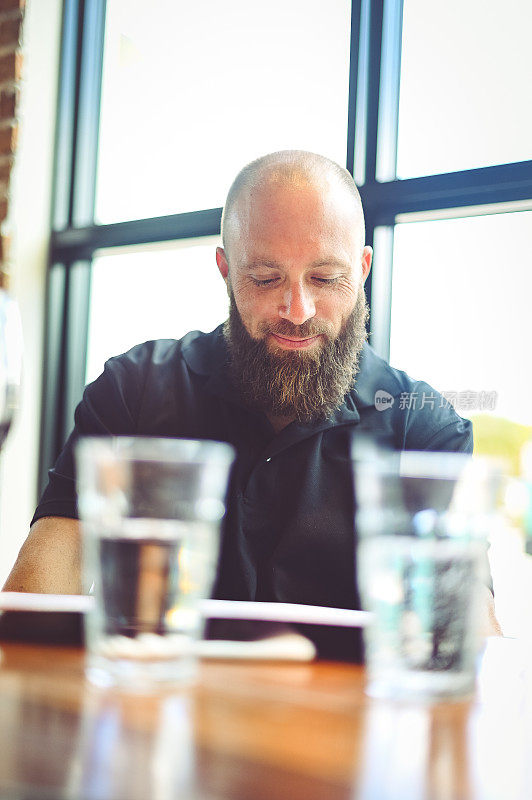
288 533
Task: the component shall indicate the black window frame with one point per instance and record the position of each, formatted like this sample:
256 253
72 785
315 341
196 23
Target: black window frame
373 104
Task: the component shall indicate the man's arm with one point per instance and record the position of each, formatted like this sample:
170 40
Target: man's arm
489 625
50 559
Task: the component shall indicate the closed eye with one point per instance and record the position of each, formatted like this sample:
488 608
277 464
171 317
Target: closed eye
264 282
329 281
271 281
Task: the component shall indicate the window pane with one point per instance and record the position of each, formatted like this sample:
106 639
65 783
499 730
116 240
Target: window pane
193 91
461 309
155 293
466 89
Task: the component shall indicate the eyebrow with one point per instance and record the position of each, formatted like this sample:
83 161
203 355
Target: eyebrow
330 262
260 263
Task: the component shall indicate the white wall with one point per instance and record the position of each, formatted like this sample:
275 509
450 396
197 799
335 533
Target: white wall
29 222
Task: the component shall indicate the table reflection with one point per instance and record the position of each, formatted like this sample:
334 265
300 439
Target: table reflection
266 731
134 747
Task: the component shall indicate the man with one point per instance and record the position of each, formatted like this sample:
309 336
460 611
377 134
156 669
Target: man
287 380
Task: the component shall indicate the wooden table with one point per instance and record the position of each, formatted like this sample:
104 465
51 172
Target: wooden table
254 731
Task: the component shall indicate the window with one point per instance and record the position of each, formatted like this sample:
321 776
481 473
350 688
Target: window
465 94
460 311
435 93
152 293
190 100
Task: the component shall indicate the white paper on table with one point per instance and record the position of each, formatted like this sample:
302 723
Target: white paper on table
212 609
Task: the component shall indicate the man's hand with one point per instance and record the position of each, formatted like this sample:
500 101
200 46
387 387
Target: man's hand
50 559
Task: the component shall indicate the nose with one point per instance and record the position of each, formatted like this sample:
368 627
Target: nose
298 304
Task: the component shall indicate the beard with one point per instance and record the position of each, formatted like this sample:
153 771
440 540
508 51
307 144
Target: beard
302 384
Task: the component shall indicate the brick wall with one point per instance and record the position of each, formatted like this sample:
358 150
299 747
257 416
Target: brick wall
11 16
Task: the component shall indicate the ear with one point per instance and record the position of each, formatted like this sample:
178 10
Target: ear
367 255
221 260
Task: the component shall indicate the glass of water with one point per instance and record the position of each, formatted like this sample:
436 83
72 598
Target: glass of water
422 521
151 511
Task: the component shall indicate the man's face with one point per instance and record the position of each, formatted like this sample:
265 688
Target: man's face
297 319
295 264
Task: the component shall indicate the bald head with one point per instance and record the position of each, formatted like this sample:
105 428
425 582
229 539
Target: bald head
297 169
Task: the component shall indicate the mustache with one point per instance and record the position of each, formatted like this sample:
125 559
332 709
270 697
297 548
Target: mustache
286 328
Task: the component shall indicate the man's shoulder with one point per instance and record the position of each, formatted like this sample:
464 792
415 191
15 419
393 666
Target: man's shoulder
198 350
155 388
376 375
419 416
154 351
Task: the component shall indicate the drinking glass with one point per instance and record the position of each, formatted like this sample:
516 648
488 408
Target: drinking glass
151 511
423 521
